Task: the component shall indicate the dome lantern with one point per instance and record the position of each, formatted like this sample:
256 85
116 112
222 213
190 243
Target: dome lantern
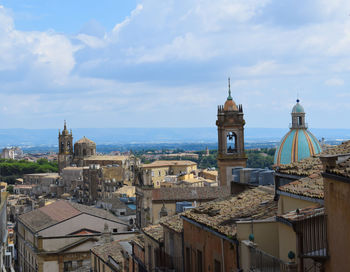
299 143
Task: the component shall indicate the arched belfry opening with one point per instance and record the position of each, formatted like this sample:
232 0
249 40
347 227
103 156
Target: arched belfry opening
231 142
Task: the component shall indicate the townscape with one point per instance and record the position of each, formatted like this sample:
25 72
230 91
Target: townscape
114 213
174 136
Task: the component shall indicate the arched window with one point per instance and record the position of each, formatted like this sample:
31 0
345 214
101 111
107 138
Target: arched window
231 142
84 152
300 121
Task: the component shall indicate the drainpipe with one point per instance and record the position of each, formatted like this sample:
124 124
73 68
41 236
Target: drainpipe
237 255
183 251
223 255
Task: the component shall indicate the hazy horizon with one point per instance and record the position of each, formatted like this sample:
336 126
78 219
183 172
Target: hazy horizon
111 136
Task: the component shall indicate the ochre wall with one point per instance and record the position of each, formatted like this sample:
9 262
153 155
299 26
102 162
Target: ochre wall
265 235
337 207
287 204
211 247
288 241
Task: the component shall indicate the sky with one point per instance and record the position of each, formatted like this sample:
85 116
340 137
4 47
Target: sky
151 63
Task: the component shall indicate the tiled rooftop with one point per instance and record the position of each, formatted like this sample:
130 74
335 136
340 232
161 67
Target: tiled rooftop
59 211
173 222
313 164
105 158
154 231
112 249
168 163
139 240
341 169
311 186
193 193
221 215
304 213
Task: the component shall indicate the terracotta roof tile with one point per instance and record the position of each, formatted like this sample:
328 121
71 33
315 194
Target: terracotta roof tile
302 214
168 163
172 222
311 186
193 193
222 214
154 231
341 169
139 240
112 249
313 164
59 211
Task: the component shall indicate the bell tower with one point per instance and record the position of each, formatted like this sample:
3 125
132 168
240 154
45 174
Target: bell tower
230 125
65 148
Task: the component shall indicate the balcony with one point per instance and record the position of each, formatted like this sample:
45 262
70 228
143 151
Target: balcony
306 125
261 261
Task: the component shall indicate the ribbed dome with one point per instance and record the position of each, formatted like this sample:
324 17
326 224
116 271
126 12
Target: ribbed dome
298 108
296 145
85 140
230 105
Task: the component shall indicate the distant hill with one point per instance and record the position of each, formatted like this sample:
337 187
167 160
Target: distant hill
122 136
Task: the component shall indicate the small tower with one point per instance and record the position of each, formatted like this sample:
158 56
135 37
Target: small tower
65 148
163 211
230 125
299 143
207 152
298 116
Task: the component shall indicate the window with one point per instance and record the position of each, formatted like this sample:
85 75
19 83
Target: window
79 263
231 142
199 261
67 266
300 121
217 266
115 230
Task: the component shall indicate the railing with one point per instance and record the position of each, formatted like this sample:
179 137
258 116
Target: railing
312 233
306 125
261 261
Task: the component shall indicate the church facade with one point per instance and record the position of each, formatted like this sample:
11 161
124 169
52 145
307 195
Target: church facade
67 155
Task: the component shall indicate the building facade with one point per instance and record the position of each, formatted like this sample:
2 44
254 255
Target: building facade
58 237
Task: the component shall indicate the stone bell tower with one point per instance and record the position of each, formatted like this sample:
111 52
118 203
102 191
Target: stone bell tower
230 125
65 148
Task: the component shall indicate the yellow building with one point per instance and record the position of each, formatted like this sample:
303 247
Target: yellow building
154 173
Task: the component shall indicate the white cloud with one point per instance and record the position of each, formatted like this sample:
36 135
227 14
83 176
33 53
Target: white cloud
172 58
118 27
334 82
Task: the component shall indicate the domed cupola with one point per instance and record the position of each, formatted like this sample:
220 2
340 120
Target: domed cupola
299 143
230 105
